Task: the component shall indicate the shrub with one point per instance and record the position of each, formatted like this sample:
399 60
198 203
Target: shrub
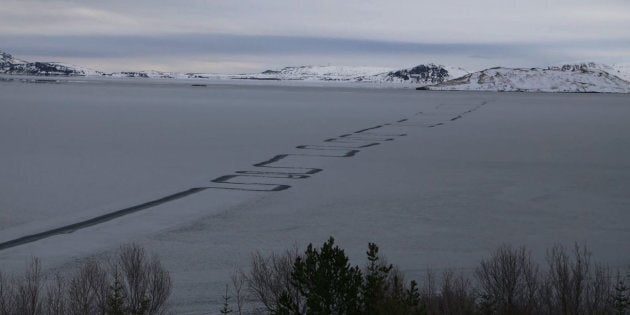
133 284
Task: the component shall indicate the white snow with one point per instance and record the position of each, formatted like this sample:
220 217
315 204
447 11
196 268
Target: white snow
345 73
621 70
10 59
321 73
528 169
81 70
456 72
553 79
151 74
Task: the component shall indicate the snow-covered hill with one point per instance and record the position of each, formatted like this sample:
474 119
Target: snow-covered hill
425 74
428 74
574 77
566 78
317 73
421 74
153 74
10 65
621 70
6 61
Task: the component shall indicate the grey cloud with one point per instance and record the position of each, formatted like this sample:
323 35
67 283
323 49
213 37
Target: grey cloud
271 32
183 44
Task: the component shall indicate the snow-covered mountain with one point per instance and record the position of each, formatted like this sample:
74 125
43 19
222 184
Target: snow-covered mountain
153 74
565 78
317 73
575 77
621 70
10 65
425 74
428 74
6 61
421 74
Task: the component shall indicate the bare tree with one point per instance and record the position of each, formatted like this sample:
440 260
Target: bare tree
270 278
90 290
87 290
131 261
56 296
7 295
509 281
456 294
429 293
598 291
29 290
238 284
159 288
146 284
574 285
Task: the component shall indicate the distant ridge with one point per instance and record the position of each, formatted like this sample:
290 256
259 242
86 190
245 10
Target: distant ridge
10 65
428 74
580 78
421 74
573 77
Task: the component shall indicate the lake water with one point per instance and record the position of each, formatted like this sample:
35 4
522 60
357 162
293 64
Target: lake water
436 179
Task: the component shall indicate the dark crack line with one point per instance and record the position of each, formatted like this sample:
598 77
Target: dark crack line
98 220
334 147
226 179
310 170
371 128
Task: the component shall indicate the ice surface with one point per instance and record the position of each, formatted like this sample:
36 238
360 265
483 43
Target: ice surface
460 174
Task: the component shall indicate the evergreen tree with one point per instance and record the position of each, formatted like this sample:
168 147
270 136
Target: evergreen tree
412 298
327 281
486 304
621 300
116 297
226 309
286 305
375 281
141 309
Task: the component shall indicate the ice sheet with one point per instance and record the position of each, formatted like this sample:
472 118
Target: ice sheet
528 169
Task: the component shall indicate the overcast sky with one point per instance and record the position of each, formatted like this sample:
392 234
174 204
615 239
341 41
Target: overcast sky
252 35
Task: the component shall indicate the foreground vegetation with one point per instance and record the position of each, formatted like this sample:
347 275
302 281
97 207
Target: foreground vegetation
130 284
322 281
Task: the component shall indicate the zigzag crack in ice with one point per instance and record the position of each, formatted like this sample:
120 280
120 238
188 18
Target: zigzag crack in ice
360 139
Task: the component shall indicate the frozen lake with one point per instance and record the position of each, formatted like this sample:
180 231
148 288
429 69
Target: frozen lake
437 179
